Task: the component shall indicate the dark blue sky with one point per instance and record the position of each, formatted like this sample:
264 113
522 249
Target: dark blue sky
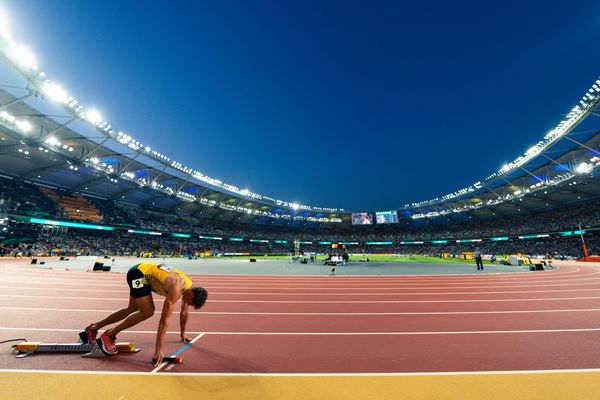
354 104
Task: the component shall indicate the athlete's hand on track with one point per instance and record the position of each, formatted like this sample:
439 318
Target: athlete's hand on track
158 357
185 338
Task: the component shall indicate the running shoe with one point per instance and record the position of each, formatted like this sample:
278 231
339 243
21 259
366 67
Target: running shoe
91 335
107 345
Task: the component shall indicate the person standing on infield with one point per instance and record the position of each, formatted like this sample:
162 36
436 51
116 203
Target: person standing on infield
143 279
478 259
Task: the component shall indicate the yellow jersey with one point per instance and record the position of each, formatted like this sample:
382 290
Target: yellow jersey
155 276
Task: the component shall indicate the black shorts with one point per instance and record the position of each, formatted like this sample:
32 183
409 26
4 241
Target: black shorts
137 283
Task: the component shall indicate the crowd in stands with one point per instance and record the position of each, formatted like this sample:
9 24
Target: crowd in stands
25 199
85 243
121 243
553 221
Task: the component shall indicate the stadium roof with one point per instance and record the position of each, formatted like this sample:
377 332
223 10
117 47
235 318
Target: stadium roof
558 170
47 137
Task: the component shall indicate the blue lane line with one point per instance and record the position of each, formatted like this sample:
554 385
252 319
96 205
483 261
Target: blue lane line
181 350
184 348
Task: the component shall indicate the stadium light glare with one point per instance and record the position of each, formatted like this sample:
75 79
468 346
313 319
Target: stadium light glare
22 56
4 22
24 126
93 116
583 168
55 92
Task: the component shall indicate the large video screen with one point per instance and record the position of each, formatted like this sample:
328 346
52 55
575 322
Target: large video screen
387 217
362 218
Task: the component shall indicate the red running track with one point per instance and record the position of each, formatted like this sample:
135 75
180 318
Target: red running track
251 324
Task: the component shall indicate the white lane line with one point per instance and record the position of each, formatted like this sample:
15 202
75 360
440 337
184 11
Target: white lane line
332 286
59 272
558 272
391 333
393 294
520 276
124 298
498 279
212 293
158 367
319 301
332 374
185 347
402 301
312 292
78 283
442 278
125 290
322 313
513 276
420 287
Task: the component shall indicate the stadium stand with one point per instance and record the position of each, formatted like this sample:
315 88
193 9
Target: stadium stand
73 206
25 199
22 199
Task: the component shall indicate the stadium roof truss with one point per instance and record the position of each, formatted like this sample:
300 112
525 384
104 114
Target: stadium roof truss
47 137
559 170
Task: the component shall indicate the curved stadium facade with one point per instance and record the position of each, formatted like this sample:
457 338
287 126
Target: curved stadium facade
64 166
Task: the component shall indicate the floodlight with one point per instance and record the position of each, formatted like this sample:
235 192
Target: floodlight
93 116
22 56
55 92
531 150
24 126
583 168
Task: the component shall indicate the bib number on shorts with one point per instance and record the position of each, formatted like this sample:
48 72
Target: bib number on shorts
137 283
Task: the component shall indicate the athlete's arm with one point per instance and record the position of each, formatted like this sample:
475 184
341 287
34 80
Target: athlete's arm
183 318
173 286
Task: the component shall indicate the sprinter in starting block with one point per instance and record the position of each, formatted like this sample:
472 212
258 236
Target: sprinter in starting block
143 279
91 350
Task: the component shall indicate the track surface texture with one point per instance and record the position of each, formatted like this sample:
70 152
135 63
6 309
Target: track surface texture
282 336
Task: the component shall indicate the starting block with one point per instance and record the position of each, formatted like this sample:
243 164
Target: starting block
91 350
